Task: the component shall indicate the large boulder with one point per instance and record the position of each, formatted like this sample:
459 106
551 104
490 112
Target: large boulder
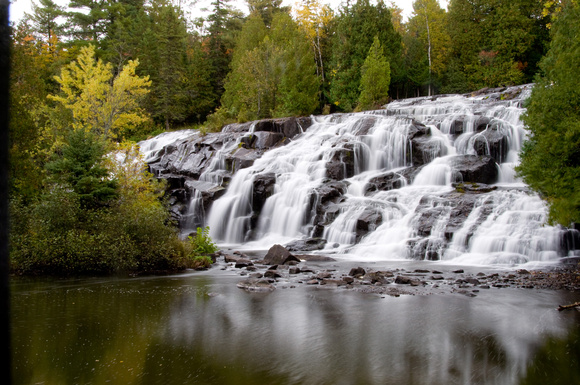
310 244
474 168
279 255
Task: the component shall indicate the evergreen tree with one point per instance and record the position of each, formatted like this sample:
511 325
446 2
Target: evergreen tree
80 166
375 78
274 76
266 9
494 42
354 30
44 19
221 40
550 160
90 22
165 57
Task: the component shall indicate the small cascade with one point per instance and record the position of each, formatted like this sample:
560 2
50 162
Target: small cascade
425 178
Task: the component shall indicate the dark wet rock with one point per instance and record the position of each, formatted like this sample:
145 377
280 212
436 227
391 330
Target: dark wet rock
231 258
437 277
242 158
330 191
474 168
377 277
473 281
333 282
289 127
262 140
341 164
402 280
263 189
347 279
294 270
385 182
364 125
209 192
459 271
429 216
271 274
426 148
324 275
278 255
256 285
492 142
315 258
309 244
368 221
256 275
357 272
242 262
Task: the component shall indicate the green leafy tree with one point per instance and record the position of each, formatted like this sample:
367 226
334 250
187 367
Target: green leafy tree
33 62
495 42
274 76
354 29
428 25
550 160
99 101
375 78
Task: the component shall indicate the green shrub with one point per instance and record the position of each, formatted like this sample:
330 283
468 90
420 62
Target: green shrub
201 243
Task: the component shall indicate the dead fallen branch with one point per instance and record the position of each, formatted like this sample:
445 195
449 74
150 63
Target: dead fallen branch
564 307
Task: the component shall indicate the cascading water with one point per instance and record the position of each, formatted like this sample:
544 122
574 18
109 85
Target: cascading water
425 178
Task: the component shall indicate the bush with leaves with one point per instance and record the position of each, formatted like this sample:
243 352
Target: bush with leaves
200 249
58 234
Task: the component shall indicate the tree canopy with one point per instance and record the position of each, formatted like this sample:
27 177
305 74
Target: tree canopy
550 161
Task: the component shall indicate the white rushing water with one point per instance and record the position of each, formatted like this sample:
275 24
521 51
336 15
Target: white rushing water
503 226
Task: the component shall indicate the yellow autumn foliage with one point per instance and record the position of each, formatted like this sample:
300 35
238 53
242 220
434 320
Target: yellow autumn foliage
99 101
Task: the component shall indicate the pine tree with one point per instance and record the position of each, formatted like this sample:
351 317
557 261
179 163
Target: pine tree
354 30
375 78
80 166
44 19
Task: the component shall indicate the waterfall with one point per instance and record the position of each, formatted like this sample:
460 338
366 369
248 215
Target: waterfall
425 178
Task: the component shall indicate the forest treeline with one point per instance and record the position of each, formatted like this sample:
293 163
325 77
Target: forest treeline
280 61
89 80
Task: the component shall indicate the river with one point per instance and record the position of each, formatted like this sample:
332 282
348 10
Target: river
199 328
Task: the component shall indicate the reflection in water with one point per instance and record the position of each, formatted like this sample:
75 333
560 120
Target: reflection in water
202 329
557 362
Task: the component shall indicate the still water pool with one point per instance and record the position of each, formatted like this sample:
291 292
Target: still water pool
199 328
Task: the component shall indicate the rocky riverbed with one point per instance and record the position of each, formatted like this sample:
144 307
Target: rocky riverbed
280 269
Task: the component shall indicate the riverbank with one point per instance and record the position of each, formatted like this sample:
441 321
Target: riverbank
392 278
